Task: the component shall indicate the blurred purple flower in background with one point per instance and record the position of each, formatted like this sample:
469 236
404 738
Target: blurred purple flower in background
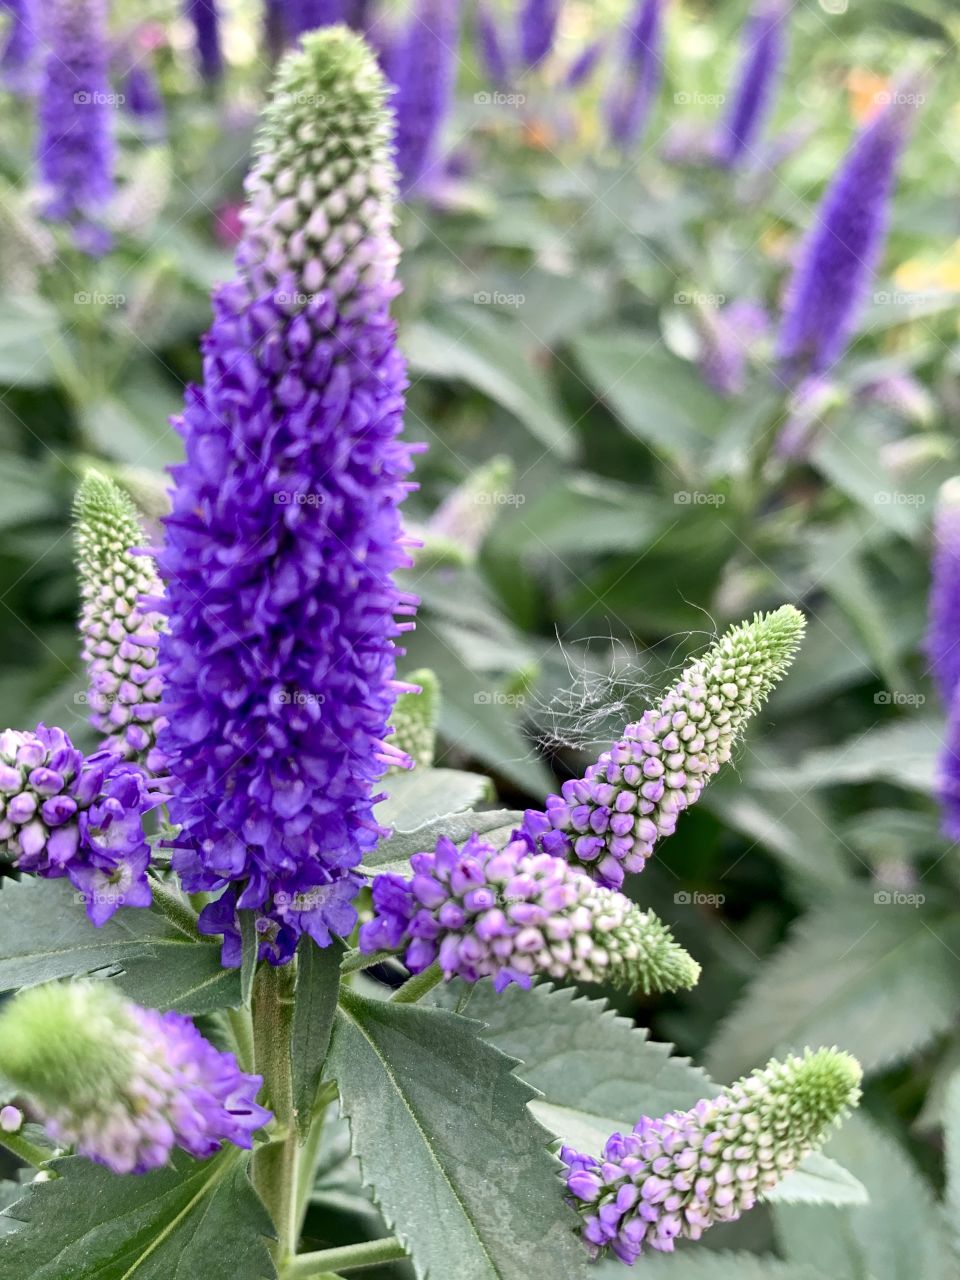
492 51
585 64
764 45
206 22
537 31
307 15
942 645
424 69
727 338
17 61
629 106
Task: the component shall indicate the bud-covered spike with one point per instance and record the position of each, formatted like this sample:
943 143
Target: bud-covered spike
514 914
678 1175
122 1084
610 819
415 718
121 632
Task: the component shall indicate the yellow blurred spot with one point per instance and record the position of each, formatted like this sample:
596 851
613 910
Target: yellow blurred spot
931 275
868 93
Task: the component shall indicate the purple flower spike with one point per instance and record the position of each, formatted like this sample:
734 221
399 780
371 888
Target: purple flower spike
492 51
583 66
75 146
674 1177
538 31
610 819
424 67
513 914
943 631
764 45
285 531
728 337
122 1084
308 15
19 51
66 815
205 17
628 110
840 252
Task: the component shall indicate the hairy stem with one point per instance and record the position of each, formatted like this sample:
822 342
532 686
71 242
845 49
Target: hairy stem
351 1257
174 907
275 1165
241 1027
25 1150
416 988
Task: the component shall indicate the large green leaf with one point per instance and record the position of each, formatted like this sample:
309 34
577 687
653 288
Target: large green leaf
584 515
422 795
904 753
879 978
192 1218
458 1165
951 1139
819 1180
699 1263
45 934
315 1006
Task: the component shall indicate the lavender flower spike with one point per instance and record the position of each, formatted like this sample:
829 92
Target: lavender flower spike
205 17
17 59
424 67
840 252
633 97
285 532
943 631
66 815
538 31
513 914
492 52
610 819
120 627
122 1084
75 146
764 44
679 1175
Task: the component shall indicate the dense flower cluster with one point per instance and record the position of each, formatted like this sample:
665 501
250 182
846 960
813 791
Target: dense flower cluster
610 819
842 248
64 814
75 148
119 625
513 914
123 1084
280 656
423 66
676 1176
764 45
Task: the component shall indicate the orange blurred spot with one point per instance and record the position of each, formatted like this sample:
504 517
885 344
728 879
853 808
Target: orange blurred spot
538 134
868 93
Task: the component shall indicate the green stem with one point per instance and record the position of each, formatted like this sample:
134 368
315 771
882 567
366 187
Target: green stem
352 1257
310 1151
242 1028
25 1150
416 988
175 908
275 1166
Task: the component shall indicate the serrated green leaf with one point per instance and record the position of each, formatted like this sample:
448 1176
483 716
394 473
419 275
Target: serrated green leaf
315 1006
699 1263
193 1218
951 1141
596 1071
459 1167
876 978
819 1180
394 853
45 934
423 795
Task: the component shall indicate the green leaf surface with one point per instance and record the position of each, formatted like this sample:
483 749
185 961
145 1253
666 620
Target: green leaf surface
951 1141
905 753
878 978
459 1167
819 1180
45 934
700 1263
423 795
394 853
29 334
315 1006
192 1218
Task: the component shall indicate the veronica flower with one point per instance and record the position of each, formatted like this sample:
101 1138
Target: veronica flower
75 147
513 914
584 65
943 632
538 30
142 94
629 107
17 58
423 66
285 531
728 336
764 43
66 815
492 51
676 1176
840 253
122 1084
119 625
610 819
205 16
307 15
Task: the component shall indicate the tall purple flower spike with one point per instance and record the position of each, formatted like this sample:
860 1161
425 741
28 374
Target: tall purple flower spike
537 31
424 67
585 64
122 1084
205 16
727 337
64 815
674 1177
840 253
19 51
764 45
942 646
308 15
285 532
629 107
493 54
75 145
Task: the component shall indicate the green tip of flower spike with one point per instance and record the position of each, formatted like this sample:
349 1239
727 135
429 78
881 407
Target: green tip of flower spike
801 1097
415 719
649 958
64 1042
761 650
106 521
